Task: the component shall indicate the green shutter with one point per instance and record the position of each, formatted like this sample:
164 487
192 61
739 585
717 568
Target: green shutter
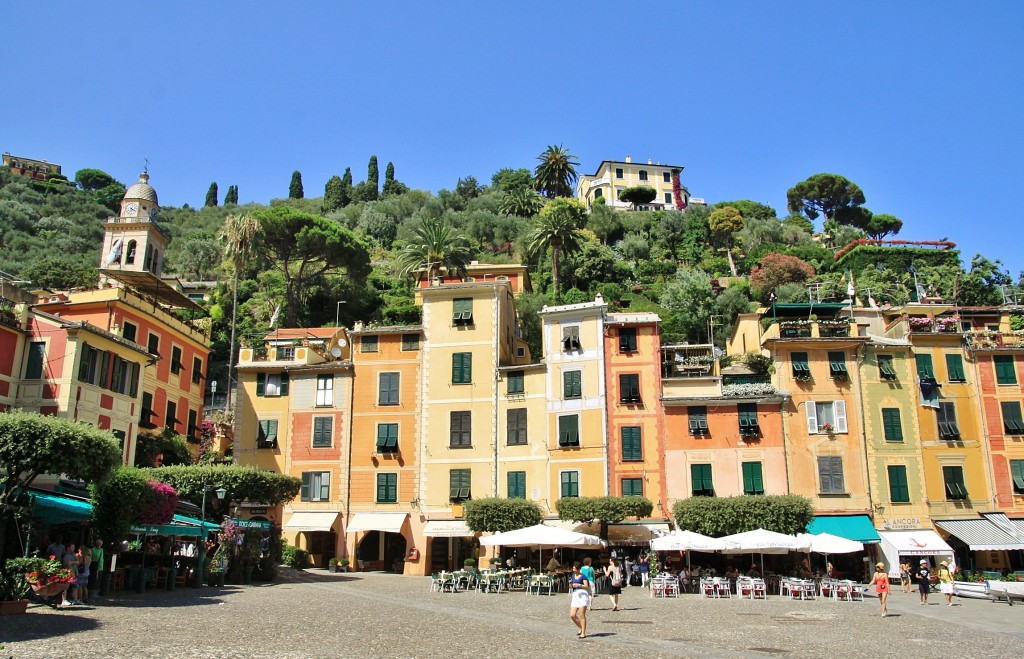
284 384
387 488
83 364
572 384
632 450
133 388
891 424
955 368
632 487
515 382
899 492
304 492
924 366
517 485
1005 373
753 480
1017 475
1012 422
36 356
568 430
462 368
570 484
322 431
703 485
954 480
261 384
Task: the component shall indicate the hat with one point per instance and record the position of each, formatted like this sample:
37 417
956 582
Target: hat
924 562
880 565
945 563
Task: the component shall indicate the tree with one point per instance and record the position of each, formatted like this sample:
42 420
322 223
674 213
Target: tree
129 496
241 483
688 300
719 516
507 179
468 188
91 180
391 186
346 182
777 269
295 187
436 246
750 210
197 256
875 226
798 221
605 222
239 235
521 202
671 231
303 247
638 195
981 285
232 195
606 510
211 195
723 223
823 194
634 247
168 444
372 187
556 176
334 193
557 228
495 515
60 272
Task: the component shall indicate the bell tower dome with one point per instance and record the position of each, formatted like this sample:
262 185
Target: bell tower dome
133 241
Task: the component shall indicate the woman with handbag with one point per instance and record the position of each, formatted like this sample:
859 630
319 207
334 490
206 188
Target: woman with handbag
614 574
579 586
946 582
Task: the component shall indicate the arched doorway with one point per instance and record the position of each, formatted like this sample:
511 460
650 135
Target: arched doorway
381 551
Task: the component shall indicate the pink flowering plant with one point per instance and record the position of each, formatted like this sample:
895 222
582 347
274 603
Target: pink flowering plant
157 507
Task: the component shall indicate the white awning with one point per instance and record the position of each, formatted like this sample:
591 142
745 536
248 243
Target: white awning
916 543
311 520
980 534
447 528
387 522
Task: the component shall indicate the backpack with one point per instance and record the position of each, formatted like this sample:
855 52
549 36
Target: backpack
617 579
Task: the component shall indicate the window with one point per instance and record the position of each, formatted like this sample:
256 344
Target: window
955 368
369 344
170 418
700 476
387 438
747 413
571 339
459 484
598 193
837 366
891 425
629 388
147 412
129 331
826 417
36 356
1012 422
129 257
462 311
316 486
267 436
121 436
753 480
666 177
410 342
515 383
898 490
948 429
668 197
516 485
324 390
568 430
830 475
153 347
618 172
924 366
886 371
572 384
516 420
271 384
462 368
632 487
801 367
570 481
953 477
1005 373
197 370
89 364
284 353
322 428
193 424
176 364
698 418
461 430
387 393
643 174
632 450
124 377
387 488
1017 474
627 339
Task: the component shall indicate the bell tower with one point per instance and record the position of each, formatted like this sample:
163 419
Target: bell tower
133 241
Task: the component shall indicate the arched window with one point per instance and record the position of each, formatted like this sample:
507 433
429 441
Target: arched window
149 258
130 254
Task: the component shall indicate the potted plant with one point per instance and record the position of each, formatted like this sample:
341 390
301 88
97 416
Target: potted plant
14 587
333 565
468 565
46 577
343 564
826 428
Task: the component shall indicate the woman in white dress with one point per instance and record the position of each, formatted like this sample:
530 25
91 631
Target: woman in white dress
579 586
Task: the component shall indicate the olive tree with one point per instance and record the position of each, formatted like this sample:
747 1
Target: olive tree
605 510
496 515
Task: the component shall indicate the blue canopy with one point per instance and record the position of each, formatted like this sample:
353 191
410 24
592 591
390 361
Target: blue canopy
851 527
56 509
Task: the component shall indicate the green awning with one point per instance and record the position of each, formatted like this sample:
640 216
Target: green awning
56 509
182 525
851 527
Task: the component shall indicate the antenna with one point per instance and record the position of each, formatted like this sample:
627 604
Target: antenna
146 167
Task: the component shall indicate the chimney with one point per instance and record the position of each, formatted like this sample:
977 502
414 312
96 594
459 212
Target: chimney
649 162
629 158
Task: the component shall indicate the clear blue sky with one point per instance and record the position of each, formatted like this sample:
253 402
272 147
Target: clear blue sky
920 103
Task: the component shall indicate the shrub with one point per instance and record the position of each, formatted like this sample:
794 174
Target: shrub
500 515
294 557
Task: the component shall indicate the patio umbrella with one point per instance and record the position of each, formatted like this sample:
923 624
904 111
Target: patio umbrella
541 536
763 542
687 541
826 543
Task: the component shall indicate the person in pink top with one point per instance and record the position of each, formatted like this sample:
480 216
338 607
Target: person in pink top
881 583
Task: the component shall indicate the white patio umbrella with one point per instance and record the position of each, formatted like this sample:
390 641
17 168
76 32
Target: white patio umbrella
763 542
687 541
826 543
541 536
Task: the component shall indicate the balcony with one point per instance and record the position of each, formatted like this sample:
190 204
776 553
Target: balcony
939 325
810 329
989 340
688 361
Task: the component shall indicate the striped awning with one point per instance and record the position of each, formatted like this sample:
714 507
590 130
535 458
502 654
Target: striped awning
980 534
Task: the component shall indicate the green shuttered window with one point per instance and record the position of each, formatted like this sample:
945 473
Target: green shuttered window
517 485
924 366
569 430
570 482
632 487
899 492
387 438
953 477
891 424
387 488
388 389
322 428
631 446
572 384
753 480
703 484
955 368
1005 372
462 368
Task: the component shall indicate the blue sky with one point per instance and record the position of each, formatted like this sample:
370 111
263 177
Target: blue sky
919 103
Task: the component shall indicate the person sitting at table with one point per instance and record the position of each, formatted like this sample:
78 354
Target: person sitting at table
804 571
753 572
833 572
553 565
731 572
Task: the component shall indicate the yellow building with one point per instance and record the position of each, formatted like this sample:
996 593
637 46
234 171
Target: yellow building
613 176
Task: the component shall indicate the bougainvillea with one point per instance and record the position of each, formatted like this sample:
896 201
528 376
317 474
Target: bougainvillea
157 506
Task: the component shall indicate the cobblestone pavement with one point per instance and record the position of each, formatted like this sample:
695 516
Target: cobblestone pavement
318 614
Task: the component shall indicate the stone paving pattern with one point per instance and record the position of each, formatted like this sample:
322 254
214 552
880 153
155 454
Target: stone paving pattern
318 614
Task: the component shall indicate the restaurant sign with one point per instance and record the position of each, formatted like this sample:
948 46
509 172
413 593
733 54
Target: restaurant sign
903 523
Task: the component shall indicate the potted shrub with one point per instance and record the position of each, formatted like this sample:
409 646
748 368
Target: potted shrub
343 564
46 577
469 564
333 565
14 587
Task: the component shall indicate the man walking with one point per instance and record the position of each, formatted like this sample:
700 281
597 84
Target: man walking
924 581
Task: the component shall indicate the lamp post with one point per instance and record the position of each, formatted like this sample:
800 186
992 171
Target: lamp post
201 543
213 393
337 313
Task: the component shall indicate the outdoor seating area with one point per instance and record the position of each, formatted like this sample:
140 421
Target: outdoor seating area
485 581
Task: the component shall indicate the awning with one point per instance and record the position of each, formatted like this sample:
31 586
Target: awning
916 543
633 534
56 509
980 534
387 522
447 528
310 520
851 527
181 525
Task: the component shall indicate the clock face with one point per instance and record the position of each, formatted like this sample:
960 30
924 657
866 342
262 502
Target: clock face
131 209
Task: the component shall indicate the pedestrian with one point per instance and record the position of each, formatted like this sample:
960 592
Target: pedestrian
579 585
96 557
56 549
923 581
614 574
553 565
905 577
588 571
946 582
645 568
881 583
82 578
70 561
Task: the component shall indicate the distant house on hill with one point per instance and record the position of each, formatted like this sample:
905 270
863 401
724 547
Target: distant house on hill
36 169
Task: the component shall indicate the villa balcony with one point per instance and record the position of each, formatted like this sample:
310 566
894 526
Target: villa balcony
989 340
809 329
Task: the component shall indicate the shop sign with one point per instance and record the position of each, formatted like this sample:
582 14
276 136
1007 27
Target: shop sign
903 523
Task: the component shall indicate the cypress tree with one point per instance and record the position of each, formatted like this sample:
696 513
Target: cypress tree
333 193
295 188
232 195
389 174
373 178
211 195
346 187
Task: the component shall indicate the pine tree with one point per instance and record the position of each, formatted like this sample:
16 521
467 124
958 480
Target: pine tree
232 195
211 195
373 179
295 189
333 192
346 187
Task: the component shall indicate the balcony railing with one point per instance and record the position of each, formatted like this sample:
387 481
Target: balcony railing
807 329
988 340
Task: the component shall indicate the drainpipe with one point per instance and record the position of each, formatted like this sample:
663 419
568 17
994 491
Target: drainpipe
604 401
497 377
861 357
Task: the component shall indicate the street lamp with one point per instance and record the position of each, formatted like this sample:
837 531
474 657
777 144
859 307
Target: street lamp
201 543
337 313
213 393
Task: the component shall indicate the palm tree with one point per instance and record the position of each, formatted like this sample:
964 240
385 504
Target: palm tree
436 246
556 227
238 234
556 174
521 202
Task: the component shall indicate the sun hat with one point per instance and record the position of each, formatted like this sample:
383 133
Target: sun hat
879 564
944 563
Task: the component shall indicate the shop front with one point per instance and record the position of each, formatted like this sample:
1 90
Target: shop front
380 541
451 543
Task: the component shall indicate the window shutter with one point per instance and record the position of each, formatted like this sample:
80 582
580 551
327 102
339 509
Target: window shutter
758 477
325 486
382 487
261 384
83 364
304 492
261 433
839 407
924 366
837 475
824 475
284 384
812 417
393 388
133 389
382 389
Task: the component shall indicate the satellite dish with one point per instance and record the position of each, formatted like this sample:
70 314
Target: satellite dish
336 352
342 342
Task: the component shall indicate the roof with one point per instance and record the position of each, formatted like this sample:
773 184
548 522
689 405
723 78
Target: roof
569 308
149 285
616 318
851 527
302 333
142 190
808 308
388 329
87 327
639 163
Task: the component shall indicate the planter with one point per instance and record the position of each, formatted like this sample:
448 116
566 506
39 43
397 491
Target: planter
13 607
50 589
971 589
